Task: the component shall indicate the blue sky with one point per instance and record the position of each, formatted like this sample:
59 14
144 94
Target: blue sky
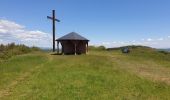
105 22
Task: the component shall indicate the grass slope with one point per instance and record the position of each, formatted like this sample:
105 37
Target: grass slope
101 75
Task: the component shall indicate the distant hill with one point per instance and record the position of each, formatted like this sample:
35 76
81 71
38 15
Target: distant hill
132 47
168 49
142 49
46 49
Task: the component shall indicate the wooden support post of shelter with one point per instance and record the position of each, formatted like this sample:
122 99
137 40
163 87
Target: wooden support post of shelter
75 48
87 48
57 47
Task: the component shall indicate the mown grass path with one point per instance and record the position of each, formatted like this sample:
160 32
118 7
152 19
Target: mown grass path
85 77
148 69
153 69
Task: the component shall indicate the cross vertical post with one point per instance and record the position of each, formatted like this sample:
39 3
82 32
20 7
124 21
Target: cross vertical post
53 21
53 30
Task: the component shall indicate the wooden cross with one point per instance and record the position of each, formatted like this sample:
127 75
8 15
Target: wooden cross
53 20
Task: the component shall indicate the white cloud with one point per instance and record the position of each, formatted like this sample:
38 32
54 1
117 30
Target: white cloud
13 32
143 39
160 39
10 24
149 39
3 30
106 43
122 43
155 43
134 41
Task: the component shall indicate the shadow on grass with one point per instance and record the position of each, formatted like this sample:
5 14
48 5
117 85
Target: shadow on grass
71 54
56 54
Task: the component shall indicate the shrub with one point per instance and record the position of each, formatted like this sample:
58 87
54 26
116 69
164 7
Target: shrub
164 52
35 48
2 47
9 50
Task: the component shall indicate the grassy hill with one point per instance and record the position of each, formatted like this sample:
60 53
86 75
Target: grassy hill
144 74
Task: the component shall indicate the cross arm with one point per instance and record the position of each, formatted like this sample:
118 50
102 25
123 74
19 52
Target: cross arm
48 17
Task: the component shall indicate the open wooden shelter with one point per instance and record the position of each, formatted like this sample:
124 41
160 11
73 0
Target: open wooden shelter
73 43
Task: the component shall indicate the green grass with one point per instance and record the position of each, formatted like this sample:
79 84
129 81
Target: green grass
17 66
101 75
